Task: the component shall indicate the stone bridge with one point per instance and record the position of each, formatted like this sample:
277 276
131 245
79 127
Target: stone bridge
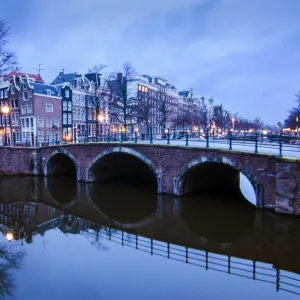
171 169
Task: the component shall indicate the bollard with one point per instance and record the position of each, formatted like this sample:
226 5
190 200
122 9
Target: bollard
151 136
280 144
256 143
168 137
207 137
135 137
230 140
186 137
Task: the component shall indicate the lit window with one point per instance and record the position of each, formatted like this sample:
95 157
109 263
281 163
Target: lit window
64 105
67 93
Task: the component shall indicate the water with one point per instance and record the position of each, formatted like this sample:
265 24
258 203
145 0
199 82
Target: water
116 241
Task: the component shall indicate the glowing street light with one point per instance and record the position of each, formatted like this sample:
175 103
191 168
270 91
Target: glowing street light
5 110
233 120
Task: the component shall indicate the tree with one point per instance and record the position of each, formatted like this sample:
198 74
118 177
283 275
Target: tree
292 120
146 110
97 93
8 58
123 102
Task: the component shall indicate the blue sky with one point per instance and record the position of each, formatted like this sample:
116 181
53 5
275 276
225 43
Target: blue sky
245 54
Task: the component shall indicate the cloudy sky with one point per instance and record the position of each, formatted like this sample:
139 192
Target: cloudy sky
245 54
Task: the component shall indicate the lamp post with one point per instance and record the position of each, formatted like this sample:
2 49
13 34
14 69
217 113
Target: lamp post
297 120
5 110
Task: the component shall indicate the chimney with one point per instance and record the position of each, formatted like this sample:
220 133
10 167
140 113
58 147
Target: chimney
119 77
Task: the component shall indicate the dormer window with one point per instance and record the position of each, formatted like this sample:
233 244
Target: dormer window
12 90
48 92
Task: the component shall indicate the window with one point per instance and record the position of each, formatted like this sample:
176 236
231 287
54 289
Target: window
15 118
23 109
21 95
12 90
14 103
27 122
49 136
69 106
69 118
31 122
64 105
49 108
29 108
24 86
65 118
56 122
6 93
48 92
40 136
23 123
67 93
25 96
40 122
49 122
30 93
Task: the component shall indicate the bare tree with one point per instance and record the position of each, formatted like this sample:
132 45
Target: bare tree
8 58
123 101
97 93
146 110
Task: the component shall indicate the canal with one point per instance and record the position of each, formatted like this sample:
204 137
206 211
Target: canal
119 240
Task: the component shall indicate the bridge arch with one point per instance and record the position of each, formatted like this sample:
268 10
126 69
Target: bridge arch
130 153
180 178
53 164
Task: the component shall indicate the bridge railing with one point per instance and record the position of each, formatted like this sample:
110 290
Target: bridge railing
263 272
273 144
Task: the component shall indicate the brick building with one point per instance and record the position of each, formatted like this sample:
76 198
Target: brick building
34 110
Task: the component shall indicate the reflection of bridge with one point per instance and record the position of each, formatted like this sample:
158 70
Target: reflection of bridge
283 280
253 235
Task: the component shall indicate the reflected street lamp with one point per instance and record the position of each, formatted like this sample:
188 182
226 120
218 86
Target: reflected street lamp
9 236
5 110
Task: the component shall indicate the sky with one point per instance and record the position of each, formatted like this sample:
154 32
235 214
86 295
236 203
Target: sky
245 54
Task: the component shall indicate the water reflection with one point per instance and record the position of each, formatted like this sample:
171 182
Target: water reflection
217 233
122 202
221 218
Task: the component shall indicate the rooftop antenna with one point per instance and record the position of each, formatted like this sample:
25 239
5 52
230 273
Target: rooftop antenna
39 69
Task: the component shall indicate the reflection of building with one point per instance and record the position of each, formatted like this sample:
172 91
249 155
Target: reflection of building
27 219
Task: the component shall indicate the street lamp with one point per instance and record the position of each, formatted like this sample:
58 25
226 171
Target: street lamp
5 110
233 120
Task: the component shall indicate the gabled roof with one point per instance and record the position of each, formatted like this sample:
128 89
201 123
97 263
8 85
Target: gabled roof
42 89
184 93
37 78
61 78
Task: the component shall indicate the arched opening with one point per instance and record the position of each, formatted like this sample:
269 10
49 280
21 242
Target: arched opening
215 207
63 189
123 167
61 164
211 177
124 204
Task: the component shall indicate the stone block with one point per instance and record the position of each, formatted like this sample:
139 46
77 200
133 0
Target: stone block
284 167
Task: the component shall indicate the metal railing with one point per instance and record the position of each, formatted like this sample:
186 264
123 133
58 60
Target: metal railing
273 144
283 280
